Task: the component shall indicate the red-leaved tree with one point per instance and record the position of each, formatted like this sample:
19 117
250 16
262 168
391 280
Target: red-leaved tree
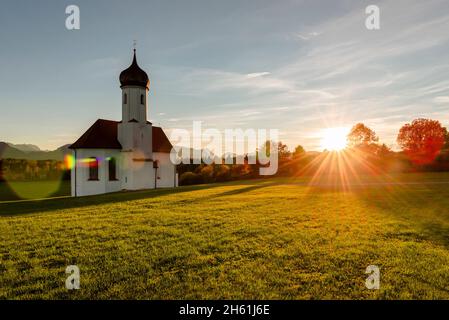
422 140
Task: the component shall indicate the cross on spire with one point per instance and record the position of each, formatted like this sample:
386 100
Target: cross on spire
134 44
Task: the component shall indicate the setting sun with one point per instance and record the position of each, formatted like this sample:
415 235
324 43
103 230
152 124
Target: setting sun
334 139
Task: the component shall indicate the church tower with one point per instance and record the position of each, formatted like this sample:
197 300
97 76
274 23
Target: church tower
134 131
135 85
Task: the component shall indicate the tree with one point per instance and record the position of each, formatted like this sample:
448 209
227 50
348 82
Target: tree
283 151
269 145
207 172
383 151
361 135
299 152
422 140
222 173
446 139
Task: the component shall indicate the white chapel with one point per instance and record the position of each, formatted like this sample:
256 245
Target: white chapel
130 154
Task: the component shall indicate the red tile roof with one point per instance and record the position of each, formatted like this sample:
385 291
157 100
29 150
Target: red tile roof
160 141
103 135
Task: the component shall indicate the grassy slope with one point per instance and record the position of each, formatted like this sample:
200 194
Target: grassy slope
16 190
260 239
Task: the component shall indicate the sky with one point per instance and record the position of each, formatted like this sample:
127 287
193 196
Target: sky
297 66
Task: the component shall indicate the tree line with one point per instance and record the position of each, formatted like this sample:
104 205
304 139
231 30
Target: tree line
32 170
424 146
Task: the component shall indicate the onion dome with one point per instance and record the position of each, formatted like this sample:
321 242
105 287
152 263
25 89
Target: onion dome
134 76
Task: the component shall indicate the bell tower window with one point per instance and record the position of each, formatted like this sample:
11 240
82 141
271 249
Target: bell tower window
142 99
125 98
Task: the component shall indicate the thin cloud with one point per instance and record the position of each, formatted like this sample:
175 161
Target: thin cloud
442 100
257 74
308 36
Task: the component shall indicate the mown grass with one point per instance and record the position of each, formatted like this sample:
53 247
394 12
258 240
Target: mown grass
272 239
18 190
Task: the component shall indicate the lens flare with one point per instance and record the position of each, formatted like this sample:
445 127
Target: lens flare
35 189
86 162
69 162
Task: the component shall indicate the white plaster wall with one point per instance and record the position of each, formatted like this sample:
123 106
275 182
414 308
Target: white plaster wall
166 171
84 187
133 109
136 137
72 176
143 175
143 140
136 173
126 170
131 174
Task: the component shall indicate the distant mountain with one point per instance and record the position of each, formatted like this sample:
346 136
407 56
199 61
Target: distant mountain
6 151
13 152
25 147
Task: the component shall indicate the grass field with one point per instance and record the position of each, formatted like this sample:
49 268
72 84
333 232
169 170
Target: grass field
272 239
18 190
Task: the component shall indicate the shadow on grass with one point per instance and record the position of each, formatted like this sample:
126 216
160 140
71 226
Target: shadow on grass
437 232
52 204
44 205
408 203
432 284
259 185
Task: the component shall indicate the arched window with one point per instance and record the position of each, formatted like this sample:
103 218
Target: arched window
142 99
112 165
125 98
93 169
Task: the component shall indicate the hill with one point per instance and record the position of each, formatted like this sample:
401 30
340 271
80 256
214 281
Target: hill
267 239
6 151
29 152
25 147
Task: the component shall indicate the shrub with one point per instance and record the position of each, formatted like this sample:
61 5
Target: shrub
223 173
189 178
207 173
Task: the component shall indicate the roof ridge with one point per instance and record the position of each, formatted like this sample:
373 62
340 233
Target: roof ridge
103 134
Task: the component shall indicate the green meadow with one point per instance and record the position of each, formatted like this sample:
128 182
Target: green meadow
260 239
18 190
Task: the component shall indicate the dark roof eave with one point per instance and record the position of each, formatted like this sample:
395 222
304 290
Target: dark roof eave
94 138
